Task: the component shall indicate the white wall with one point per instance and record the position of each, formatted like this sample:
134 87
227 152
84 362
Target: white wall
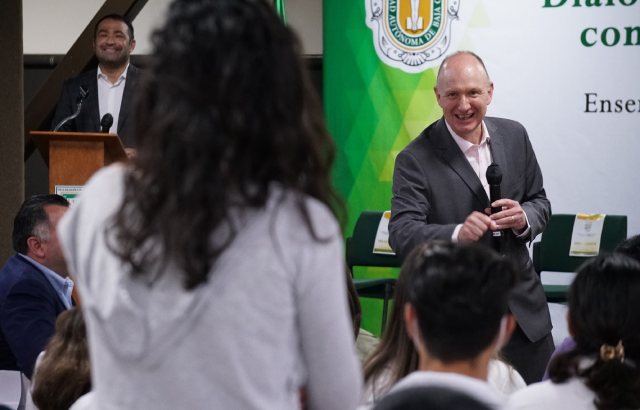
594 170
51 26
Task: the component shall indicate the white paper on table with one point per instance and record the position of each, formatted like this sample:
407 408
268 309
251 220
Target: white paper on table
381 243
587 232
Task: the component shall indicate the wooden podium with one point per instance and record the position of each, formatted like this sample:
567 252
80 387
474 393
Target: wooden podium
73 157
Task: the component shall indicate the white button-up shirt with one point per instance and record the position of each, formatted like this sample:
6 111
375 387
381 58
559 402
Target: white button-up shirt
479 157
110 96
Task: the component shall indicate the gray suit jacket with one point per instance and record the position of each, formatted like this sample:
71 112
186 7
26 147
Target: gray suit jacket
89 118
435 189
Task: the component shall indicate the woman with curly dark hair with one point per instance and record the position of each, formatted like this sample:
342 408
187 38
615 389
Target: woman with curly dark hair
602 371
62 373
211 268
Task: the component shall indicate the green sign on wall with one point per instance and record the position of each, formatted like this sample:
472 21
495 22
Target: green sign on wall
373 111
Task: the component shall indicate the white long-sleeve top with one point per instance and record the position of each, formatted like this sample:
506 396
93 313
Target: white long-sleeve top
271 318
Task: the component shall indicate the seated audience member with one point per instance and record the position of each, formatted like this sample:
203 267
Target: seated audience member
34 287
453 299
211 268
366 342
62 374
602 371
430 398
629 247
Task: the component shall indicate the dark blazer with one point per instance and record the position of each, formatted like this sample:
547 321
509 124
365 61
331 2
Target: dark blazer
29 307
435 189
89 118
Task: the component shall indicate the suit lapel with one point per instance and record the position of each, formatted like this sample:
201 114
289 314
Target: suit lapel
127 96
451 153
92 100
498 155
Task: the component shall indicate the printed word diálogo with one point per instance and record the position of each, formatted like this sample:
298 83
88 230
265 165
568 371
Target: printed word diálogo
411 34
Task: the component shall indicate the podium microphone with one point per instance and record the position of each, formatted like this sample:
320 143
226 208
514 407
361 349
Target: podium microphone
494 178
105 123
81 96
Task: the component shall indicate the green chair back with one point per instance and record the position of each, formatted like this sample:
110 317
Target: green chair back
553 249
359 250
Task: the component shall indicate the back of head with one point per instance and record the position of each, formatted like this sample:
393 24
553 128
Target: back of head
604 318
64 373
396 356
429 398
460 293
224 111
630 247
32 220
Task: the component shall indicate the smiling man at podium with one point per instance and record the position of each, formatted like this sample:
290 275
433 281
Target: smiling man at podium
107 89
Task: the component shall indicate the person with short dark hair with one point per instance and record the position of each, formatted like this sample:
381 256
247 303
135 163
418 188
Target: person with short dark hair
457 316
63 373
397 356
602 371
111 86
34 283
630 247
212 266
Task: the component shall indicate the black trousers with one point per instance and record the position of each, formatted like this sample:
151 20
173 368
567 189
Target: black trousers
529 358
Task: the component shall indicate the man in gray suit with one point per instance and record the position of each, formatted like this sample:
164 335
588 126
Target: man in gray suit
440 191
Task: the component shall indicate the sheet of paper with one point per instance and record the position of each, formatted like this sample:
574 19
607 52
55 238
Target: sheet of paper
70 192
587 232
381 243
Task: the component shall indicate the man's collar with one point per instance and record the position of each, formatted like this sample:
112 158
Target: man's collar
42 268
463 143
122 76
62 286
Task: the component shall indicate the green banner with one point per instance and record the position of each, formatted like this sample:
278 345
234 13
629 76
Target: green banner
373 111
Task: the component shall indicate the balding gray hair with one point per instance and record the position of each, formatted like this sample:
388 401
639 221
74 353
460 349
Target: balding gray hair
471 53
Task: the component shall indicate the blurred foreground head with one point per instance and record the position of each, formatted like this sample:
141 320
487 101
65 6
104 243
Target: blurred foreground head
64 373
224 111
604 320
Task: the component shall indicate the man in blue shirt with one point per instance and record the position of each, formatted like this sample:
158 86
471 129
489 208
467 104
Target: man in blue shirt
34 287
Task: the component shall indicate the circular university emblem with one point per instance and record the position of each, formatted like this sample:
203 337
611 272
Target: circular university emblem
411 34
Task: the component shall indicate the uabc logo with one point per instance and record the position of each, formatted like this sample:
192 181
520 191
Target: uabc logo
411 34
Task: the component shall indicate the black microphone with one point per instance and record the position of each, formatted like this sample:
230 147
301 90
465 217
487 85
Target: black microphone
81 96
105 123
494 178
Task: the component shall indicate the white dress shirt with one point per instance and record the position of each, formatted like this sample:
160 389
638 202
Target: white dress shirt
110 96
